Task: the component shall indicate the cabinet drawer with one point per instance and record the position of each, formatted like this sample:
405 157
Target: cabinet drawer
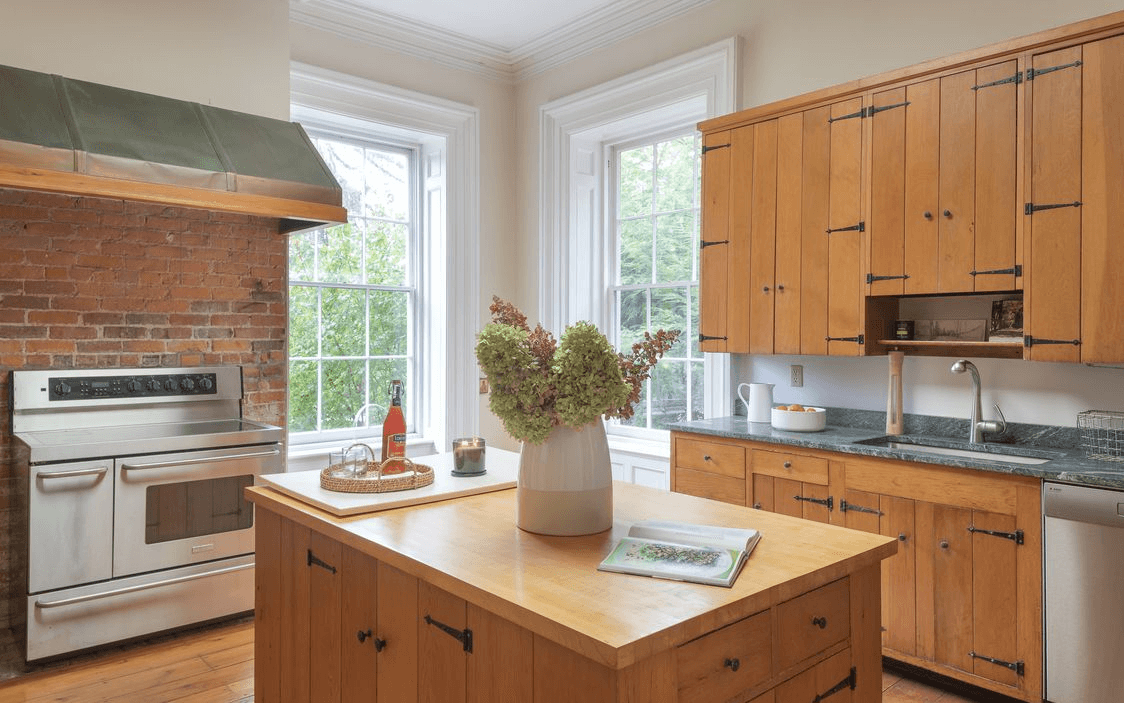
704 485
712 457
720 665
813 622
792 466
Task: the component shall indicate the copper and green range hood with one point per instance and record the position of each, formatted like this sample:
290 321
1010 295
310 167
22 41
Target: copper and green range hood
70 136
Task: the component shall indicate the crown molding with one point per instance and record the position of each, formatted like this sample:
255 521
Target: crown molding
599 28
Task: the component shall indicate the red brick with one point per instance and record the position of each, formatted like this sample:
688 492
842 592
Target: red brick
121 220
50 288
72 332
50 258
27 302
185 345
14 271
102 205
83 217
24 213
52 317
143 346
166 224
96 346
12 315
48 346
99 261
52 200
230 345
48 229
22 332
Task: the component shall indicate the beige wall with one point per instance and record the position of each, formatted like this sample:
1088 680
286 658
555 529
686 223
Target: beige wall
228 53
493 100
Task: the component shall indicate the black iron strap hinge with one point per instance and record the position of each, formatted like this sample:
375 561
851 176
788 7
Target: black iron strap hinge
875 109
712 148
871 278
704 244
1016 79
1030 341
848 682
849 116
1016 667
707 338
1016 536
463 636
828 502
860 227
1032 72
313 560
1017 271
1031 208
861 339
844 506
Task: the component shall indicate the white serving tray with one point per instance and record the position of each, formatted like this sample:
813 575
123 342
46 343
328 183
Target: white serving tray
502 468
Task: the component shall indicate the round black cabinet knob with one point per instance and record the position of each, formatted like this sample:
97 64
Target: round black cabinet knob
948 213
927 215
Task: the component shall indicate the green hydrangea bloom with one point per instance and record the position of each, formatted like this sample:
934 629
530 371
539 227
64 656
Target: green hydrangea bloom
587 376
521 389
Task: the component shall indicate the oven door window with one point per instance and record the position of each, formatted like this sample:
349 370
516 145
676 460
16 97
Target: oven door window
188 509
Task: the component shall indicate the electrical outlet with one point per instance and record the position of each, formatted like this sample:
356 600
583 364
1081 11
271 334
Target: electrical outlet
484 385
796 376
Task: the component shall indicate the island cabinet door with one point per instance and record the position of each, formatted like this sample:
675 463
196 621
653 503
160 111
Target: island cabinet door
444 644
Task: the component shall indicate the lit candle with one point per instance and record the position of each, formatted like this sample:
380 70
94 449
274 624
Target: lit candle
468 456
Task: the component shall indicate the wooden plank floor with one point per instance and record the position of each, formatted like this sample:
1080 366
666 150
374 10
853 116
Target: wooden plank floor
216 665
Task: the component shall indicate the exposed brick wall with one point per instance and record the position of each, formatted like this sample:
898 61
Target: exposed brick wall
93 283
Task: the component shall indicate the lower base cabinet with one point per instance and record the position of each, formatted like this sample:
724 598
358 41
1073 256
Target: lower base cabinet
336 625
963 594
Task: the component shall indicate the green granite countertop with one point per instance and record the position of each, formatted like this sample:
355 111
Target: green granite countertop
858 432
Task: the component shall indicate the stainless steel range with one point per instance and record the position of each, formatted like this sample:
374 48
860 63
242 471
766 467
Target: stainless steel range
136 516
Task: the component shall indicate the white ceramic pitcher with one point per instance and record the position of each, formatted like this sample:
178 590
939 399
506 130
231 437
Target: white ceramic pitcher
760 404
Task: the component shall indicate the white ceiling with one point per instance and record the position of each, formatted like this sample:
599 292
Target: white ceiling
505 24
504 39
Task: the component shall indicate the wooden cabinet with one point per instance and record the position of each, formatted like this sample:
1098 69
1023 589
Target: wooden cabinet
943 184
1074 209
963 594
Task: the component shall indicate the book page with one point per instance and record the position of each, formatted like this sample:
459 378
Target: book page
698 535
675 561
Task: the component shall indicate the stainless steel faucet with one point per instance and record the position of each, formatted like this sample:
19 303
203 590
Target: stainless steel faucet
976 426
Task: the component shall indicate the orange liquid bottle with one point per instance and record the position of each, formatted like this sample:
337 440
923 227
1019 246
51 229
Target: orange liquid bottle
394 431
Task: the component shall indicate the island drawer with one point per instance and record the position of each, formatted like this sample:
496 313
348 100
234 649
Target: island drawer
720 665
707 485
711 457
813 622
791 466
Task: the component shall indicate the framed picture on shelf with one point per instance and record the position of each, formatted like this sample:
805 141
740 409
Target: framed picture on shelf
1006 319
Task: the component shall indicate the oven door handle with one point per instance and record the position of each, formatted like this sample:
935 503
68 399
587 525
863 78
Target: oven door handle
139 587
197 460
97 471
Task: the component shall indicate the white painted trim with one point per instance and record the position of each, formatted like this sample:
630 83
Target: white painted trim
454 399
594 30
692 87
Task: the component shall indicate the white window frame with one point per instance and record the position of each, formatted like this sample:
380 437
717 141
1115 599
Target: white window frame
573 248
447 134
322 126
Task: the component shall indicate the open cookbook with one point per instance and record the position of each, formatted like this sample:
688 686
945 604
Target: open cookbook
682 551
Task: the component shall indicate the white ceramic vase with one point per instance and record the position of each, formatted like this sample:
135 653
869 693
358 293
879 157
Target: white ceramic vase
565 484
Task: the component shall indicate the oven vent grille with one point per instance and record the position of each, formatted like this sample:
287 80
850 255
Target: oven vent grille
1102 434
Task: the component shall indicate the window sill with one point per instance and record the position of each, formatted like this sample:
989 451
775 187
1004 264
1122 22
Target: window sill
656 449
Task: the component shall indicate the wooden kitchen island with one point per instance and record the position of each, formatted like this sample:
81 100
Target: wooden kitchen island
450 601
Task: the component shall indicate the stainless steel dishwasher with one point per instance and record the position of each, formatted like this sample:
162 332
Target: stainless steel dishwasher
1084 566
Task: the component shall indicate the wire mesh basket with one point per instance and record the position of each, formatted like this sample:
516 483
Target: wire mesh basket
1102 434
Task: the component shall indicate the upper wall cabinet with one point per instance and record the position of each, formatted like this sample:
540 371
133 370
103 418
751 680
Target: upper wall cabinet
994 171
943 173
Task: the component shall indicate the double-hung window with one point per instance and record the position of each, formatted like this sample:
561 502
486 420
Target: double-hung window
654 250
353 295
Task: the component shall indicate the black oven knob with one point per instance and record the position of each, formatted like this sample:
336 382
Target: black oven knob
187 384
206 383
170 385
62 388
133 386
153 385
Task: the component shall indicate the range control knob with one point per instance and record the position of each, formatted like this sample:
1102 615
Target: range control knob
62 388
206 383
133 386
170 385
153 385
187 384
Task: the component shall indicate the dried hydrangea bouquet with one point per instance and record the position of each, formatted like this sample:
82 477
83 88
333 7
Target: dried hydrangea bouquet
552 396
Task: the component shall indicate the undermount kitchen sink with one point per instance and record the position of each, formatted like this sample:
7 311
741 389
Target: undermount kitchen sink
987 452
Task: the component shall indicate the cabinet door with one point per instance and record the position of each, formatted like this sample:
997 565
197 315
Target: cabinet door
845 240
359 630
814 240
324 591
397 619
922 185
501 665
957 183
715 249
1053 276
996 200
786 308
442 665
762 238
832 674
1102 209
887 193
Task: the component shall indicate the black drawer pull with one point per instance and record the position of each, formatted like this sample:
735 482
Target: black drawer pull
733 663
756 506
820 622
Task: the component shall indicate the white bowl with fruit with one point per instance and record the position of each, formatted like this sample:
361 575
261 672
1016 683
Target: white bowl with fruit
799 418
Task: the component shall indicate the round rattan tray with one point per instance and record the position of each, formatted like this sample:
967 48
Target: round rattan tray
372 479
